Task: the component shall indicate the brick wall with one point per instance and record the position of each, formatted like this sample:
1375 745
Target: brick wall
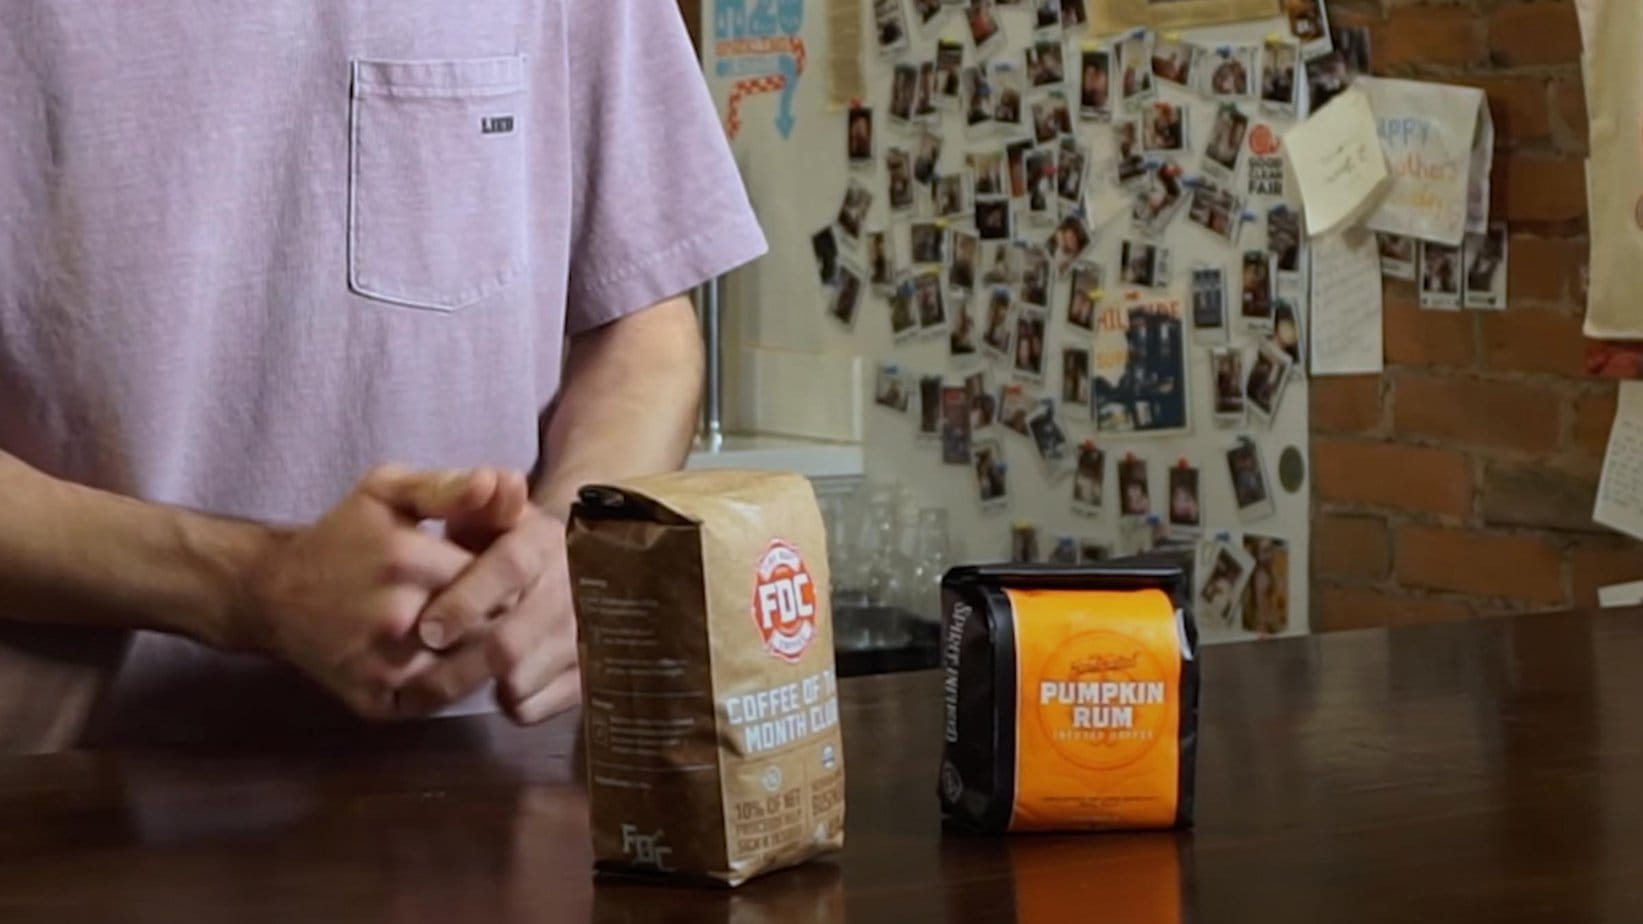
1461 483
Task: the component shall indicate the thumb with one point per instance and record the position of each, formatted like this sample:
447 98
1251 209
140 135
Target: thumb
431 495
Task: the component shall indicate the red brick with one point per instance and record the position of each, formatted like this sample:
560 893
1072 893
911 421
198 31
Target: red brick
1338 609
1346 404
1540 187
1570 121
1507 415
1519 106
1539 268
1426 36
1593 417
1600 562
1350 547
1534 340
1410 478
1528 569
1416 337
1539 495
1543 32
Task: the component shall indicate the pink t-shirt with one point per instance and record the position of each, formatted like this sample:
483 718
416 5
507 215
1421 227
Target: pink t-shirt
246 254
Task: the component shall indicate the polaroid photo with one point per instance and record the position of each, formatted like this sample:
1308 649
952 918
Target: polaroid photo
1142 369
1063 551
859 138
1309 23
1397 255
893 388
1172 60
929 243
1229 71
1049 440
1042 189
1134 491
1095 84
1084 295
1226 376
853 211
1144 264
1023 543
1015 157
1075 377
951 196
1089 480
1071 172
1030 350
1485 260
1226 144
955 425
997 335
1265 608
963 257
1217 211
993 223
1257 290
1135 80
1136 536
1035 277
949 74
1209 305
1008 100
1015 405
986 173
1160 196
930 301
961 329
1091 551
898 168
845 297
882 270
1280 78
825 245
1186 514
1051 117
1164 127
1283 238
903 92
979 100
925 103
1225 575
986 31
1288 333
929 409
1440 276
927 158
1268 377
992 484
1047 17
890 25
1045 63
903 310
1000 262
1250 492
983 402
1290 287
1327 76
929 14
1131 170
1069 242
1074 14
1352 46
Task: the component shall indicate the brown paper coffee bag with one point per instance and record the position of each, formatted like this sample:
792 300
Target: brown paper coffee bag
710 701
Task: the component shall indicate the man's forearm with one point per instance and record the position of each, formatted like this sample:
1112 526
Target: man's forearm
74 555
628 405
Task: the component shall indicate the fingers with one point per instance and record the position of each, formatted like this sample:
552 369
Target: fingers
560 695
508 507
447 679
422 561
533 645
435 495
495 582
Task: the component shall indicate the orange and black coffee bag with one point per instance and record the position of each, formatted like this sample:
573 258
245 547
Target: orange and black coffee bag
1071 697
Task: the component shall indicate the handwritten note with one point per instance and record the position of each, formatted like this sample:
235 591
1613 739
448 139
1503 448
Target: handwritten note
1620 491
1338 163
1439 141
1346 304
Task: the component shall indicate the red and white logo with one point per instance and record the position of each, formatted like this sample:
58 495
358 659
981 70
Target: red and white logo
1263 141
784 602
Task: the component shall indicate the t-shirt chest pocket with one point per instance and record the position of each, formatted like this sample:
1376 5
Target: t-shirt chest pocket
437 182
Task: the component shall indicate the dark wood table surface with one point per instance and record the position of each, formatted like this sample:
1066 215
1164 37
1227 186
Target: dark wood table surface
1483 772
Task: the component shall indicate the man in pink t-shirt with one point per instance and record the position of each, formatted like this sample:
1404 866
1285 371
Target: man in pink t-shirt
249 257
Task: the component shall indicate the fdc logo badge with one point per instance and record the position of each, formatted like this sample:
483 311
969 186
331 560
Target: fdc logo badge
784 602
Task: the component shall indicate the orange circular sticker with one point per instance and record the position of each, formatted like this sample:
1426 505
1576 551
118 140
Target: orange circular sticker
1102 700
1262 141
784 602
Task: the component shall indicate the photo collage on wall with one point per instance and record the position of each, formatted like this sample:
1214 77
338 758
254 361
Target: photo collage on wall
1094 233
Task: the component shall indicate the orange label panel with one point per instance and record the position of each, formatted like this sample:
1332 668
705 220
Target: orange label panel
1098 709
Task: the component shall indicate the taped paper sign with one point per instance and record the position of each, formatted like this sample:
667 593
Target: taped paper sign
1108 16
1438 141
1338 163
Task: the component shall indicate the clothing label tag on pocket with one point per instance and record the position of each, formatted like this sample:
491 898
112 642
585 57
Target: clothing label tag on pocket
496 125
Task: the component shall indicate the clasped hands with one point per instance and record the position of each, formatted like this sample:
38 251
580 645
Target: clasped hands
399 623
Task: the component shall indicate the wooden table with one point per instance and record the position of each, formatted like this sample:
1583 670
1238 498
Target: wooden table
1484 772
